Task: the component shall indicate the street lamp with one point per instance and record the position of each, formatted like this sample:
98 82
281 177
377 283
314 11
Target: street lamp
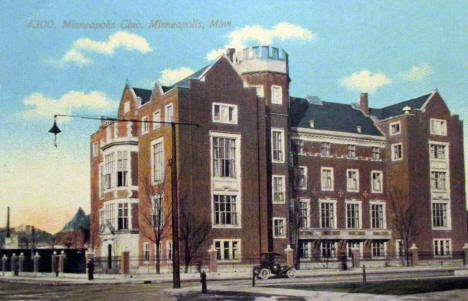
175 198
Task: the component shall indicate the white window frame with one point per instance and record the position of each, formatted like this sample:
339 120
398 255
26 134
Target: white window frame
376 154
348 189
434 181
221 118
354 202
157 200
166 115
384 217
307 209
384 249
379 172
237 155
296 175
276 99
239 249
438 132
332 176
439 240
325 149
351 151
283 219
348 247
394 153
432 155
163 163
156 115
448 217
281 131
327 201
308 254
238 211
169 250
390 128
334 249
282 186
125 169
95 149
146 250
144 125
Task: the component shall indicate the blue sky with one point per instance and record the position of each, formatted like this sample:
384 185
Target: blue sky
394 50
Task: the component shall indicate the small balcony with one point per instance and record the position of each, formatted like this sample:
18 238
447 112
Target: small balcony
348 234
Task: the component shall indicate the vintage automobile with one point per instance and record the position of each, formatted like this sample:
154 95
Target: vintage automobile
269 267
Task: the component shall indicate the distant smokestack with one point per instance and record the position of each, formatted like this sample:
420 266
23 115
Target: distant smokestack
8 223
364 103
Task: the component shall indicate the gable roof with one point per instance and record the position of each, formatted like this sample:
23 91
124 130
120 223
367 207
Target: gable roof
397 109
330 116
144 94
79 221
185 83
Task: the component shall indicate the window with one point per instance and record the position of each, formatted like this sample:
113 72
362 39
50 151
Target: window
377 216
169 113
298 146
301 177
395 128
228 249
439 215
397 152
351 151
144 125
278 189
325 149
438 180
276 95
260 91
169 250
327 214
353 215
146 251
102 184
438 127
126 106
224 157
109 169
95 149
352 180
378 249
442 247
376 153
224 113
122 168
110 215
158 211
158 160
438 151
327 249
279 227
225 209
376 182
156 117
304 249
122 218
277 145
303 212
399 247
326 178
350 245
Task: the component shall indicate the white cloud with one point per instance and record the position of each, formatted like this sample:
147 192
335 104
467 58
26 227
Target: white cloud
170 76
417 73
364 81
282 31
121 39
43 106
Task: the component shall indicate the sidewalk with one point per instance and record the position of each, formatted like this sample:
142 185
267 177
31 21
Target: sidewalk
81 279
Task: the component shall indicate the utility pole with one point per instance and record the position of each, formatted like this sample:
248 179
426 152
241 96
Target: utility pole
8 222
175 213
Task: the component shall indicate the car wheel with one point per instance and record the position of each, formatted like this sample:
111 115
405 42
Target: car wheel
264 274
291 273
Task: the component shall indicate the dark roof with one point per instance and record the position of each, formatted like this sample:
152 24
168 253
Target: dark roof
79 221
330 116
144 94
185 83
397 109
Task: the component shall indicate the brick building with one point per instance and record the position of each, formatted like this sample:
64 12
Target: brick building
266 169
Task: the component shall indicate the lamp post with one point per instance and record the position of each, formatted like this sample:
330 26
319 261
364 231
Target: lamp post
174 195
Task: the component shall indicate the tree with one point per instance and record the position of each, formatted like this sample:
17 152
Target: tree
403 218
193 233
155 215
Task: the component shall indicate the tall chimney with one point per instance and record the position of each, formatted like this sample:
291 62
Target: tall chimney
364 103
8 223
